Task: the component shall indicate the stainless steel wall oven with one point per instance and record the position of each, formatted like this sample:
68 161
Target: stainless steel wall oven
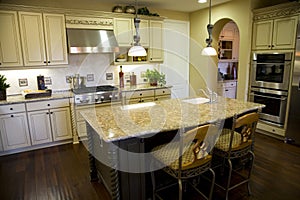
271 70
276 103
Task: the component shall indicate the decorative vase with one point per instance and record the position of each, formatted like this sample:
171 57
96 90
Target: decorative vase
2 94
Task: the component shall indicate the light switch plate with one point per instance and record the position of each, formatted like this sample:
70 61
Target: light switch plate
109 76
23 82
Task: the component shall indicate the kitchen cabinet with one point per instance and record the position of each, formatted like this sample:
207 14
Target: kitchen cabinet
43 37
162 94
151 38
275 33
156 53
228 45
10 46
13 127
49 121
227 89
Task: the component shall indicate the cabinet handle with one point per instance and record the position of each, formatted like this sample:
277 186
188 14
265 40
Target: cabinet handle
12 116
11 109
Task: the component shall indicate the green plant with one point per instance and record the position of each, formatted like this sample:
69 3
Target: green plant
3 84
155 77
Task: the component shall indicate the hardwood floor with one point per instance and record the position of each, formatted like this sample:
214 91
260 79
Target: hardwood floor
62 172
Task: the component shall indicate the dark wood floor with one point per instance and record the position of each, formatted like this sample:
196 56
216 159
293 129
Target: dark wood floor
62 172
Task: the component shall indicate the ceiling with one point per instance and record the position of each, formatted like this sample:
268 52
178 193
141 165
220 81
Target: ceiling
183 5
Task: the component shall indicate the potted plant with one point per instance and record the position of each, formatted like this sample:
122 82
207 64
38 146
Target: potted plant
3 87
154 77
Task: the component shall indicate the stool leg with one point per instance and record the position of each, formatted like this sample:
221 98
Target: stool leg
212 183
153 181
250 171
229 178
180 188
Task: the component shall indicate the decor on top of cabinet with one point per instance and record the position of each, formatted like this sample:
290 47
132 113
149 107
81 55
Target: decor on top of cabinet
145 11
117 9
3 87
155 78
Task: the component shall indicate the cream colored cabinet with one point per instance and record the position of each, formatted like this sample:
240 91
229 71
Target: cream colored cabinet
275 34
156 52
227 89
13 127
43 38
140 96
10 46
123 31
162 94
49 121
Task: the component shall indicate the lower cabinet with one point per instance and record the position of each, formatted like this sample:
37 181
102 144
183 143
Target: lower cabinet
13 127
49 121
227 89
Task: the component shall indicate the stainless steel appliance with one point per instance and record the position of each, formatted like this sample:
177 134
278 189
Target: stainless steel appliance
96 95
271 69
292 130
276 104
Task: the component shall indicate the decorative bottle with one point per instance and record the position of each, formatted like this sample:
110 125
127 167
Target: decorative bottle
121 77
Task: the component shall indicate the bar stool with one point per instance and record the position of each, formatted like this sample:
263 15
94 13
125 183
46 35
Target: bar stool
195 160
236 144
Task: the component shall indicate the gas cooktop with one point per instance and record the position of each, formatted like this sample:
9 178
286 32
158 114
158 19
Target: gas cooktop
95 89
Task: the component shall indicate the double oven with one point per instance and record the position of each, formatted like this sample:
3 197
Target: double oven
270 77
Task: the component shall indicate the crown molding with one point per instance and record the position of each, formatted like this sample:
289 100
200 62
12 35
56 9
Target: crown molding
277 11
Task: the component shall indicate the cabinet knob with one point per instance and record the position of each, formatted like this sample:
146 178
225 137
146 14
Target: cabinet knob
163 91
273 46
48 104
48 61
0 63
45 62
12 116
47 113
11 109
141 94
51 113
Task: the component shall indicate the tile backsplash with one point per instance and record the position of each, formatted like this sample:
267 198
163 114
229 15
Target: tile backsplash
94 66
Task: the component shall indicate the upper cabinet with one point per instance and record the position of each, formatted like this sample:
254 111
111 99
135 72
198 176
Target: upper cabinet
151 38
10 47
277 32
43 38
228 46
156 53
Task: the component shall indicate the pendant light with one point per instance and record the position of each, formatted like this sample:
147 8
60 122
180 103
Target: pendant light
137 49
209 50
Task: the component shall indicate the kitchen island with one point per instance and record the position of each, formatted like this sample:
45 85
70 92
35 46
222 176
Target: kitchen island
120 137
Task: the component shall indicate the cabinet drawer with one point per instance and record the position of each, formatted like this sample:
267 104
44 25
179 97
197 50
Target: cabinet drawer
140 100
40 105
138 94
12 108
163 91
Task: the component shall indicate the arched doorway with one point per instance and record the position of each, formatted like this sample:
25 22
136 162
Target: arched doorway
226 33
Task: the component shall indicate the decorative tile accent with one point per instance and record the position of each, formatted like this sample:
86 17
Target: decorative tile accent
23 82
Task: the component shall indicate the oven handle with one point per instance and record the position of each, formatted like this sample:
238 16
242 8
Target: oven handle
281 99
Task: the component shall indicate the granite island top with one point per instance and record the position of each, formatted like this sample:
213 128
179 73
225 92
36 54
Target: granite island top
117 122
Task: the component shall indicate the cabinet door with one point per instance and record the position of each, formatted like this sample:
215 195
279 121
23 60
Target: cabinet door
144 33
284 33
10 46
55 38
123 31
156 41
39 124
32 35
14 131
262 35
61 123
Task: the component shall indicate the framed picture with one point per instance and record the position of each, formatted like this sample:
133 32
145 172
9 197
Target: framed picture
23 82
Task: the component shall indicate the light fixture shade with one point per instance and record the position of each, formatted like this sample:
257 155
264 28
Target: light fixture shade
137 50
209 51
202 1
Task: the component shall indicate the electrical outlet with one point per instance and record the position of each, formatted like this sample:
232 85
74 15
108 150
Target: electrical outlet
109 76
47 80
90 77
68 79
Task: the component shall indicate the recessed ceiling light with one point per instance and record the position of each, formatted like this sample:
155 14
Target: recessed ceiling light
202 1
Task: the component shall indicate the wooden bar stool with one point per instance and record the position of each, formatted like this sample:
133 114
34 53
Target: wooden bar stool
236 144
195 160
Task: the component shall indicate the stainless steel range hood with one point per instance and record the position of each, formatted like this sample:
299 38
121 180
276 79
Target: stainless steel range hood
91 41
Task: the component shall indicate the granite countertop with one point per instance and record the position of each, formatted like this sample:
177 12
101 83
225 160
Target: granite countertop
11 99
121 122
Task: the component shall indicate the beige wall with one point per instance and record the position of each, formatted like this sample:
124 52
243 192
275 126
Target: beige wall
204 69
